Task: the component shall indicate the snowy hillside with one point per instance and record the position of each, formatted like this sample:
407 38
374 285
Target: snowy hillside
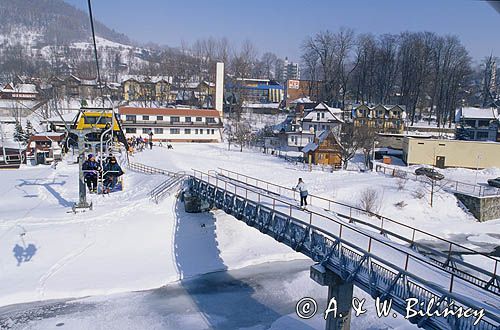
127 243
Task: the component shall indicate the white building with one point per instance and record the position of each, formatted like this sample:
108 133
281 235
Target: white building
170 124
322 118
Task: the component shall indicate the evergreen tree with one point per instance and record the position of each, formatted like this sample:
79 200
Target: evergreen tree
19 134
29 131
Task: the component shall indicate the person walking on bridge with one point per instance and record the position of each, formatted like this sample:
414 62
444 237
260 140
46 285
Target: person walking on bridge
301 187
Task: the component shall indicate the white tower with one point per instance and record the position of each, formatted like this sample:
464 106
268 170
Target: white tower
219 89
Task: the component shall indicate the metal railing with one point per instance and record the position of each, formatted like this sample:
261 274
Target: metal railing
488 280
450 185
137 167
398 280
164 189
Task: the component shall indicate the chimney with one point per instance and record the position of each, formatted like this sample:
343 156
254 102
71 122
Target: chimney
219 89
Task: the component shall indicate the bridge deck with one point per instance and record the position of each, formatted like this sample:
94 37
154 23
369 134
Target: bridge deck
399 258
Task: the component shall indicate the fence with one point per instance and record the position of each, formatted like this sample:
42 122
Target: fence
450 185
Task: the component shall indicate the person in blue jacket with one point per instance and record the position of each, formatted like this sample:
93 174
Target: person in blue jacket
112 171
91 172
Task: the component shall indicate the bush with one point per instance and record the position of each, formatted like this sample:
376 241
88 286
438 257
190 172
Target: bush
370 200
401 183
419 194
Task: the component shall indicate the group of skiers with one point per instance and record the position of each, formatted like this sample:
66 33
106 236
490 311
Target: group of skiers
110 170
139 143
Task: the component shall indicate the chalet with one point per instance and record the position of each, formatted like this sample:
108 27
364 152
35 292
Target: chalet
171 124
477 124
324 150
43 148
322 118
19 92
383 118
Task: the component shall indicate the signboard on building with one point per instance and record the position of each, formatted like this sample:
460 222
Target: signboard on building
293 84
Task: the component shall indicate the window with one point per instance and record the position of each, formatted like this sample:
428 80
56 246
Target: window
146 130
318 116
482 136
213 131
198 119
130 130
175 119
145 117
159 117
130 117
96 120
211 120
175 131
158 130
324 127
471 123
323 115
187 131
188 119
196 131
483 123
201 130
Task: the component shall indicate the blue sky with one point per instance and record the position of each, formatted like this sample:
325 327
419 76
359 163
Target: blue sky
281 26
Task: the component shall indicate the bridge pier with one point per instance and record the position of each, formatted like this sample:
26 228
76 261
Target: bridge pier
339 297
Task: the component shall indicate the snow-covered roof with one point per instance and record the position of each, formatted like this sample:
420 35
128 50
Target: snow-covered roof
20 88
261 105
68 117
145 78
481 113
302 100
311 146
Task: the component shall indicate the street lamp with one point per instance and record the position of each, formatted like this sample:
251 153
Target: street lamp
300 140
373 154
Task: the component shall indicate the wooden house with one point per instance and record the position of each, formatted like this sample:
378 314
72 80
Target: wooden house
324 150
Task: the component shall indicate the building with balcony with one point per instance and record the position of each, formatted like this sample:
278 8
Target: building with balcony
383 118
477 124
322 118
171 124
146 88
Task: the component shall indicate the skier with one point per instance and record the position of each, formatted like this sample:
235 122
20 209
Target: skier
112 171
301 187
91 170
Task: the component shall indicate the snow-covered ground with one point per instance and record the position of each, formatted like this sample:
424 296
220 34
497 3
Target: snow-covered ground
128 243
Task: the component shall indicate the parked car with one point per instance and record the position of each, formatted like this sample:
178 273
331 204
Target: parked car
430 173
494 182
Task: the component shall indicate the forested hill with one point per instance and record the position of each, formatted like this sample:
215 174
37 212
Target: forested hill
53 21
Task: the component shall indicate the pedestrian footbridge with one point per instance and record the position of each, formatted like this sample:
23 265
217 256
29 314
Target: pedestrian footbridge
383 257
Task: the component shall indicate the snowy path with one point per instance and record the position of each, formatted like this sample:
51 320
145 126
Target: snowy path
392 252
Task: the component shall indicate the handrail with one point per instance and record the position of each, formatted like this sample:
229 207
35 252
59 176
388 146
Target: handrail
449 263
382 218
450 184
166 185
149 169
449 292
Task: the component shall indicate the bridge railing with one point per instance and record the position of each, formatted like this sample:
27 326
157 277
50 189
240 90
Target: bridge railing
488 267
412 265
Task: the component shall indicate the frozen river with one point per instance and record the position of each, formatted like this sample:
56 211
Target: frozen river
255 297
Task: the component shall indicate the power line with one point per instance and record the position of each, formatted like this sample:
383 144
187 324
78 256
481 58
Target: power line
95 50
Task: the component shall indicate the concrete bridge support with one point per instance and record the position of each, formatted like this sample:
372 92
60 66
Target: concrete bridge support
339 297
